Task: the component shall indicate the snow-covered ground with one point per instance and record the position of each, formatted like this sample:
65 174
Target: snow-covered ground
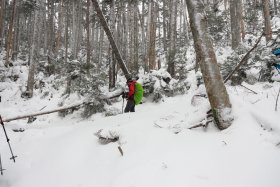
158 148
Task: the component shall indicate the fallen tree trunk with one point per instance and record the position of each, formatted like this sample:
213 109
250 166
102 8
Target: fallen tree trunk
42 113
117 94
111 39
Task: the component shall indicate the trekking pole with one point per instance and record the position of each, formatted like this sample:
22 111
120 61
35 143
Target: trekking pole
1 168
8 140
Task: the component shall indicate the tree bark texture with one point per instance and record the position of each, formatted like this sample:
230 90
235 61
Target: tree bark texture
2 18
88 36
216 91
235 23
34 52
152 37
9 41
267 24
172 43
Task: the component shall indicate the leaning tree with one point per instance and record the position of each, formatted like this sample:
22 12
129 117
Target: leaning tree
206 58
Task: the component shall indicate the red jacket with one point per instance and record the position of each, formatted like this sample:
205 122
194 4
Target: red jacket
131 88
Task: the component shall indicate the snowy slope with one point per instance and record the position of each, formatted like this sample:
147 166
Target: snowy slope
159 149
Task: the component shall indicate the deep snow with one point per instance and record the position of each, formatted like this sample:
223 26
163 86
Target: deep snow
159 149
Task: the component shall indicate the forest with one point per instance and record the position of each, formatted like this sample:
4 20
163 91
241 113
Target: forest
86 45
209 71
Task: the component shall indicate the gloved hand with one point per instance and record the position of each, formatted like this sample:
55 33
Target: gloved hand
124 95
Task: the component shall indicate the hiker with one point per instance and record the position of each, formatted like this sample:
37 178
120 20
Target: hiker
134 95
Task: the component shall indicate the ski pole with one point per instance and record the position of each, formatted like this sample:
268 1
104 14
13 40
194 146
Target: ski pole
1 168
8 140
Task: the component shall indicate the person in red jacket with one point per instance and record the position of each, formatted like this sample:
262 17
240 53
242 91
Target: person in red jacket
130 105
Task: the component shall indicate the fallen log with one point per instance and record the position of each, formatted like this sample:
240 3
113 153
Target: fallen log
114 95
43 113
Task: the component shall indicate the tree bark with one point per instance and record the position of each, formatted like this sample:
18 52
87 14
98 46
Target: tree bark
9 41
275 7
216 91
110 38
267 24
235 23
88 36
2 23
152 37
172 43
135 37
34 52
66 32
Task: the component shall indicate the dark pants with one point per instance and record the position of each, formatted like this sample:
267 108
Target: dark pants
130 106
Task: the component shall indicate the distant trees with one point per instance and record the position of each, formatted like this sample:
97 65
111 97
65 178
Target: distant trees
71 41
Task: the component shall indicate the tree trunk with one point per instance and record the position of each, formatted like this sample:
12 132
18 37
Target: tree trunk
112 59
50 29
267 24
66 32
59 27
34 52
216 91
76 28
152 37
88 36
135 37
2 23
242 24
15 41
235 23
110 38
9 41
172 44
143 36
275 7
164 20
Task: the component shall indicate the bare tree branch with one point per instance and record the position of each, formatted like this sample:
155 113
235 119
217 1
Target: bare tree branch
243 59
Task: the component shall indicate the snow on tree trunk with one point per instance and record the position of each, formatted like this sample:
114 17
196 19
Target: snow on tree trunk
110 38
216 91
267 24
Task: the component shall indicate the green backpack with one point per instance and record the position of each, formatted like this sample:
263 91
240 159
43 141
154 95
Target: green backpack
138 94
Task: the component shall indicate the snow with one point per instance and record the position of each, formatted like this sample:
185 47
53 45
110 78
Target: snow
158 147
